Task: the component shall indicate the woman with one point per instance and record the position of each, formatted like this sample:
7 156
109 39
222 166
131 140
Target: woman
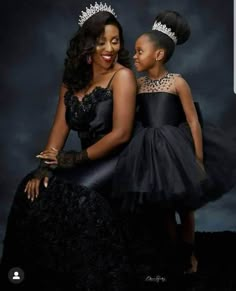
65 232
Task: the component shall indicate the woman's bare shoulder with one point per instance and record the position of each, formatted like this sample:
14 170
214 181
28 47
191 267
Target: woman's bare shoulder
123 74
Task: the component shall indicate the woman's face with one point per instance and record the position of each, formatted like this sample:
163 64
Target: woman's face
145 54
107 48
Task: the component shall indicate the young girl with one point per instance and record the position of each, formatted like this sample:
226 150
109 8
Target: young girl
172 160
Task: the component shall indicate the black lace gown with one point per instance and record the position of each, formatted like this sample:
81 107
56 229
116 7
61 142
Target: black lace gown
159 163
68 238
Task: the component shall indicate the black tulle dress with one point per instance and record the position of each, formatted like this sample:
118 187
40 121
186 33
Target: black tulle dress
68 238
159 163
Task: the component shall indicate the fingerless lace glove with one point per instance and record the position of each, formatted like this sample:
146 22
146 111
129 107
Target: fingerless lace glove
70 159
42 171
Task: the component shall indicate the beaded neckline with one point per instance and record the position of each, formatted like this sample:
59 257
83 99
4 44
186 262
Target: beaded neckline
164 84
156 82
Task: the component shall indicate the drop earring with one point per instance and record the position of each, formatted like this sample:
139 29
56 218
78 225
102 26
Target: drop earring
89 60
115 60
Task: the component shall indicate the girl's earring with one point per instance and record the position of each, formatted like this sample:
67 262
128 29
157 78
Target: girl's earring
89 60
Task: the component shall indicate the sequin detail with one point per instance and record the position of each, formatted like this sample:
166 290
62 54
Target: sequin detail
164 84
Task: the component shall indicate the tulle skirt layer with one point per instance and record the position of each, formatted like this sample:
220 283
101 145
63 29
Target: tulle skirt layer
159 165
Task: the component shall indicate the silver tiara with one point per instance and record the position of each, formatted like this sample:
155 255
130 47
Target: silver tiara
164 29
85 15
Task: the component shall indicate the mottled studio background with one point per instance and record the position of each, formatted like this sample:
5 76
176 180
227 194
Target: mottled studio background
33 39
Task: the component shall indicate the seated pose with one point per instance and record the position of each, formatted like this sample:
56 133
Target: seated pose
61 228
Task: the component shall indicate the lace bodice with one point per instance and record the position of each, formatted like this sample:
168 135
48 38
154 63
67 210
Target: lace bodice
92 116
164 84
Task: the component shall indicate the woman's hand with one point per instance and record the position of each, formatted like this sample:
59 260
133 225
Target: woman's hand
63 159
49 156
42 173
32 187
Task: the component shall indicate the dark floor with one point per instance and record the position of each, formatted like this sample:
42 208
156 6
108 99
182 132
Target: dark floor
152 255
216 253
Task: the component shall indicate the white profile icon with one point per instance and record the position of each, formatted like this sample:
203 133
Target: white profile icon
16 276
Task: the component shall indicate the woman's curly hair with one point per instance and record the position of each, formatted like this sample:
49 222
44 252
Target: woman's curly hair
78 73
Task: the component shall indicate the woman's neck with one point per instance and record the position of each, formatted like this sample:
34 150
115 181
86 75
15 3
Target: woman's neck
99 72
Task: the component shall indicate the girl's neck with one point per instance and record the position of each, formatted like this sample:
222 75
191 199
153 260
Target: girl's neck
157 73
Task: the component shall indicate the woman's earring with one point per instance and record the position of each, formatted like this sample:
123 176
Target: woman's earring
115 60
89 60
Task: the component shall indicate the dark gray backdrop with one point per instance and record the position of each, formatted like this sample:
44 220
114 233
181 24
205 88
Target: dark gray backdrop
33 40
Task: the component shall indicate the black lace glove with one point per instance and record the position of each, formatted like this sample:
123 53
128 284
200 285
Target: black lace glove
70 159
42 171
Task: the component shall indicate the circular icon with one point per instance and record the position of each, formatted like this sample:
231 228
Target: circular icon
16 275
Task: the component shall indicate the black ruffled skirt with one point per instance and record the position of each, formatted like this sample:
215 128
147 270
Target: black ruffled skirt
68 235
159 165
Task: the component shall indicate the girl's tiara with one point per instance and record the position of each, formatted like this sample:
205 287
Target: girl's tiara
164 29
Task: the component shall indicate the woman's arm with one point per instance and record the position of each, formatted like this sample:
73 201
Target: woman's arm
57 138
124 97
124 102
184 92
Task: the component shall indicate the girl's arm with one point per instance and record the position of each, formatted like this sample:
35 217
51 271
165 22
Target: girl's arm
184 92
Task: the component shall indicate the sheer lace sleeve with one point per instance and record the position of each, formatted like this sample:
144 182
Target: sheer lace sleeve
70 159
42 171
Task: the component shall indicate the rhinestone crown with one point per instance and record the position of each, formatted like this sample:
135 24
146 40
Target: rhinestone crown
164 29
93 9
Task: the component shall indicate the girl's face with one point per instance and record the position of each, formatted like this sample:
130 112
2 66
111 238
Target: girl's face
145 54
107 48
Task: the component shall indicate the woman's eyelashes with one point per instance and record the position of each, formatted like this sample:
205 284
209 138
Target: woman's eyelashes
114 41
